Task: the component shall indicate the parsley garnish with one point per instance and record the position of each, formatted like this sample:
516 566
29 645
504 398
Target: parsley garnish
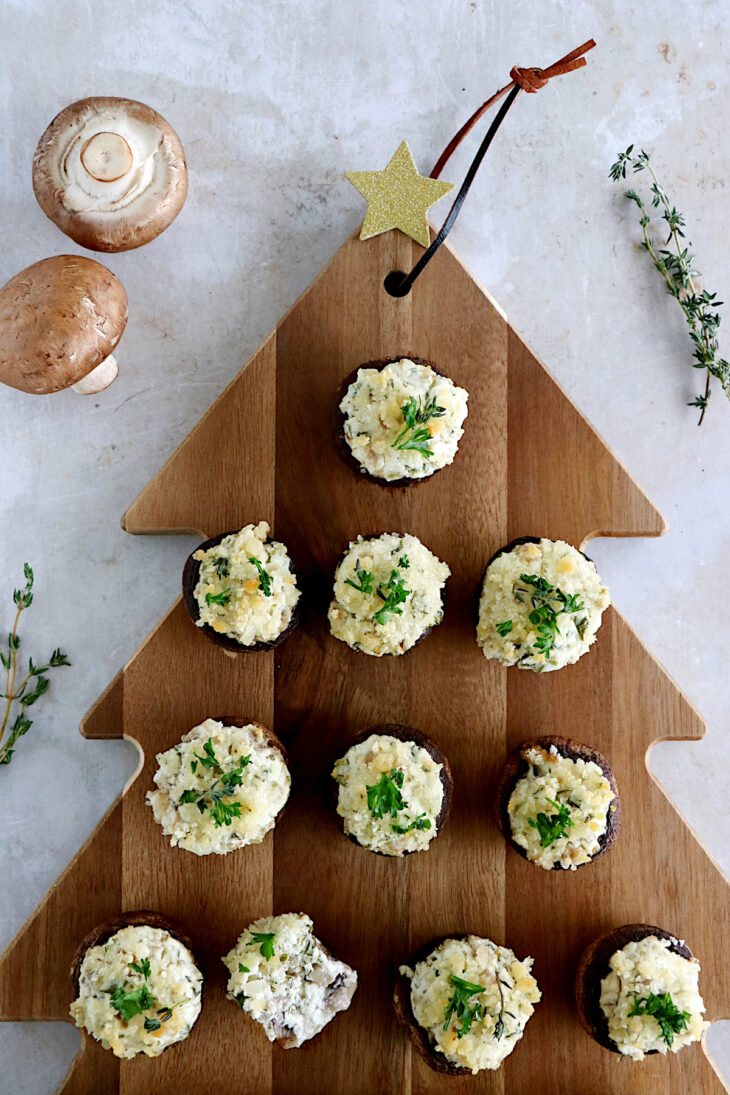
242 968
222 813
403 562
393 594
266 941
384 797
129 1004
264 577
364 582
552 827
221 598
222 567
504 628
459 1004
142 967
548 602
416 415
670 1019
421 822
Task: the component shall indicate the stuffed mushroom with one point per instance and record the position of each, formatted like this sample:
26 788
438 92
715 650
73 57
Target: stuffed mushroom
399 422
388 594
284 978
221 788
557 803
241 589
637 992
540 605
138 987
466 1002
393 790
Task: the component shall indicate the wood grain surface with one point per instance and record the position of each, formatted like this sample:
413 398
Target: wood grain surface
528 464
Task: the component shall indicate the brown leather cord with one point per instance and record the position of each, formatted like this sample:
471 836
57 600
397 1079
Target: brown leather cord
399 284
527 79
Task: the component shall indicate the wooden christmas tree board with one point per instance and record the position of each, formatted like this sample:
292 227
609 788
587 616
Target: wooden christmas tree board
528 464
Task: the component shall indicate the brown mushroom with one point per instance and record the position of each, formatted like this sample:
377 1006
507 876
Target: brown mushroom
110 173
60 320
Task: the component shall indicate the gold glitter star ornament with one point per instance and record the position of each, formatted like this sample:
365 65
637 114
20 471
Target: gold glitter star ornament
398 197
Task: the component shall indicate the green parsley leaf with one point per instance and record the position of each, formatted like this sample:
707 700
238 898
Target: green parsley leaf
264 576
393 594
415 415
547 602
266 941
364 583
129 1004
242 968
221 598
403 562
552 827
662 1008
504 628
384 797
461 1006
209 759
142 967
421 822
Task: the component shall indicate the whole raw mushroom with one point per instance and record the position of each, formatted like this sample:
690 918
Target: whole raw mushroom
110 173
60 320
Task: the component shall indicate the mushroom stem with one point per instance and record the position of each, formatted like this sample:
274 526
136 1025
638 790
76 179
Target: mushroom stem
106 156
99 378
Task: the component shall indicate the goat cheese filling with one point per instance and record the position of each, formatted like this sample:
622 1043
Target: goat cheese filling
559 809
246 588
403 421
387 592
473 998
220 789
651 999
390 794
283 977
540 606
139 992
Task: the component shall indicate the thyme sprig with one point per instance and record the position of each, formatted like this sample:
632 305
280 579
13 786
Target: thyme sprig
414 434
35 682
677 268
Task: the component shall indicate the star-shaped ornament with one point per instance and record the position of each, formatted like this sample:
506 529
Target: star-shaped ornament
398 197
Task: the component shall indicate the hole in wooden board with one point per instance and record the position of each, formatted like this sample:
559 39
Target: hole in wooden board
393 284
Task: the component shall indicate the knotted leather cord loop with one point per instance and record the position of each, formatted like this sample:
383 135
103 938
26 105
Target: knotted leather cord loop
523 79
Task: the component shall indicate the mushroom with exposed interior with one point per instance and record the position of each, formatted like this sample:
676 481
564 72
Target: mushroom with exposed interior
110 173
60 320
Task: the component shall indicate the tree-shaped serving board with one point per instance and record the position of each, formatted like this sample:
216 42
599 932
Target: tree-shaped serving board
528 464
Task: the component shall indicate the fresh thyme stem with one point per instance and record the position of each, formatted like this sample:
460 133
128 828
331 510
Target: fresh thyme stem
10 682
679 276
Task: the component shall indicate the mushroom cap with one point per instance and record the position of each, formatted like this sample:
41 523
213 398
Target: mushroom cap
59 319
141 179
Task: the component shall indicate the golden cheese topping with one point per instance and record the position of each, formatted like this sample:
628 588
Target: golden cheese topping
220 788
139 992
387 593
403 421
282 977
246 588
559 789
643 974
540 607
390 794
481 993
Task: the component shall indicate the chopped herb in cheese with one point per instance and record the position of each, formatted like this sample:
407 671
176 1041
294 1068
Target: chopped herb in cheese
220 788
246 587
387 592
403 421
651 999
390 794
559 809
281 975
540 606
139 992
473 998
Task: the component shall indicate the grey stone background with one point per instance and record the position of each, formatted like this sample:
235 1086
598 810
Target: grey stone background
274 100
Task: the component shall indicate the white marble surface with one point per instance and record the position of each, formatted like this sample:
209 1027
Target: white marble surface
274 100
